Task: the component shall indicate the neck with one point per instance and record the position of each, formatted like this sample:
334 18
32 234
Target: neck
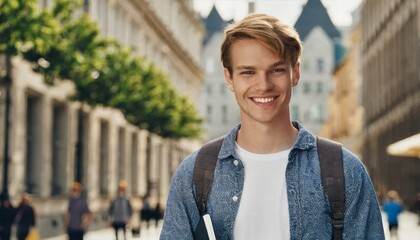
267 138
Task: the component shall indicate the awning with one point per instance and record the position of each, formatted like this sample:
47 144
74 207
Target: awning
408 147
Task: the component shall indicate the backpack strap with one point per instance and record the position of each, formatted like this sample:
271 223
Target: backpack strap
332 176
205 164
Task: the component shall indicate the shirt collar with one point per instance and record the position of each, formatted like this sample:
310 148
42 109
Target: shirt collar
305 140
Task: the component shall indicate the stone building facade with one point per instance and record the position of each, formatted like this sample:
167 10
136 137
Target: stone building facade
54 141
217 103
345 120
391 91
168 32
320 38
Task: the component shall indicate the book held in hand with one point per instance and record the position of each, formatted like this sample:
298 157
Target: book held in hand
204 229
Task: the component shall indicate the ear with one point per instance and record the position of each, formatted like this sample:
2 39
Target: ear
228 79
296 74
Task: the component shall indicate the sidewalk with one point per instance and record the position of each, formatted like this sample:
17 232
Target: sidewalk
408 229
108 234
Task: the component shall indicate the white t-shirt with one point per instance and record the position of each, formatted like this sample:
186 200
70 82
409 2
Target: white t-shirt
263 211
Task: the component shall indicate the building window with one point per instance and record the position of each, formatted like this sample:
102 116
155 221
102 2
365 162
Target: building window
223 89
317 113
119 25
295 112
209 113
306 87
134 163
320 65
34 156
121 160
86 5
104 158
319 87
209 89
103 15
320 113
133 33
59 146
224 114
82 146
305 66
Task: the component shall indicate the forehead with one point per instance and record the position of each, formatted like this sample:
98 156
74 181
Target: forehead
251 52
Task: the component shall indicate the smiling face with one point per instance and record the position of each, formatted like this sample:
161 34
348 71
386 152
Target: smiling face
262 82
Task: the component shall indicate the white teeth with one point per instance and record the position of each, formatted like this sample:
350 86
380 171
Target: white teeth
264 100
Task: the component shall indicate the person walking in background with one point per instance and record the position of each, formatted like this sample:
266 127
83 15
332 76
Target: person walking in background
25 217
267 180
417 208
7 216
146 211
120 210
78 216
157 213
393 207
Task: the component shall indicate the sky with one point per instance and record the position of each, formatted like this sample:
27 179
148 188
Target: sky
286 10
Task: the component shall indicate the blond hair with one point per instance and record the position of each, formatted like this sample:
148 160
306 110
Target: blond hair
280 38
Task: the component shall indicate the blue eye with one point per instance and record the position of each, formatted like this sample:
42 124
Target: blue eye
278 70
247 73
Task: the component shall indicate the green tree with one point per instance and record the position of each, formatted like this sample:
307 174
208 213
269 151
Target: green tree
77 46
64 46
24 28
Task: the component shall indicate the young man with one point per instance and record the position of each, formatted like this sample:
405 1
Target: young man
78 216
267 182
120 210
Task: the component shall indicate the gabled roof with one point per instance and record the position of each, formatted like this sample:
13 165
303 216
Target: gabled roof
214 23
314 14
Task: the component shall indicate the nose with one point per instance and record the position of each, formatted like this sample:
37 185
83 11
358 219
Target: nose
264 82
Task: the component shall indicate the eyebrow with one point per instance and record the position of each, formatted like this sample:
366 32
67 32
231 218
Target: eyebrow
276 64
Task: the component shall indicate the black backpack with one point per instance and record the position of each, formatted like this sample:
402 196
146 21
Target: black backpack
332 176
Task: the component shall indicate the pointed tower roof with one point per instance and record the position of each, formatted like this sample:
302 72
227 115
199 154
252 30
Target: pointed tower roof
214 23
314 14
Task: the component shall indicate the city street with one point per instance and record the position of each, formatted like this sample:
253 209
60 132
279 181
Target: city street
408 230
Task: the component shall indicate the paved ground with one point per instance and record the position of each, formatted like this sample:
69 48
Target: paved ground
151 233
408 230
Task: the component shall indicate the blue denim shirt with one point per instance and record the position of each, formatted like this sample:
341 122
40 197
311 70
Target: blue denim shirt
308 204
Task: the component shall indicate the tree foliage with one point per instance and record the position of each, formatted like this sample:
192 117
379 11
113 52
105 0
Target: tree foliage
61 45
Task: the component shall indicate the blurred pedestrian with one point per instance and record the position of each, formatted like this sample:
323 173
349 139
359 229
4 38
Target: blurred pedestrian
25 217
146 211
393 207
417 208
7 216
78 215
120 210
157 213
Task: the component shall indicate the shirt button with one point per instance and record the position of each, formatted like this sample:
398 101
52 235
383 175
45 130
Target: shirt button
236 162
235 198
